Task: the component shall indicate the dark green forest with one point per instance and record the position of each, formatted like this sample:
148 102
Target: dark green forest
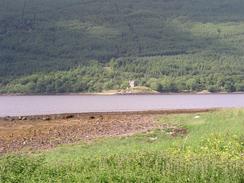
59 46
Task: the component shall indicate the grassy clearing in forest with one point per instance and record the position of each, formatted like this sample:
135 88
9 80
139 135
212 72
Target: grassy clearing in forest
212 150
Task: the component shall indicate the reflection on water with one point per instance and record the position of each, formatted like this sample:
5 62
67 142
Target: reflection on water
34 105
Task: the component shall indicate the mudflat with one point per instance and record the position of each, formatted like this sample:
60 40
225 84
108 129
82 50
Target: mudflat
38 133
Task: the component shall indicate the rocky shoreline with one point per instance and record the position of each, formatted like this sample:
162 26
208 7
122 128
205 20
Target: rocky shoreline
93 114
33 133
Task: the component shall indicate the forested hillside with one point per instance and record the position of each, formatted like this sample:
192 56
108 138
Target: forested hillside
57 46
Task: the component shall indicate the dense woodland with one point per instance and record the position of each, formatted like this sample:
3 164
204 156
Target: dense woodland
59 46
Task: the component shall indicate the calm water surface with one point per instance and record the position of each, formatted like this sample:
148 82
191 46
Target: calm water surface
38 105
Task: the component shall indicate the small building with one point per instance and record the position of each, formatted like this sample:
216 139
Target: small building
132 83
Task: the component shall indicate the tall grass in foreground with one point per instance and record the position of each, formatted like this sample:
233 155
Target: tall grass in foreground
212 151
219 160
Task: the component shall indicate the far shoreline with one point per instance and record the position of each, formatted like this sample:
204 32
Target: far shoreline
120 94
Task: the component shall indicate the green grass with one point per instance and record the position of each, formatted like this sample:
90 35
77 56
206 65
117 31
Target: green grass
222 122
211 151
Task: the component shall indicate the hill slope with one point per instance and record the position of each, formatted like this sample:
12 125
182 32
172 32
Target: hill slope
50 45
